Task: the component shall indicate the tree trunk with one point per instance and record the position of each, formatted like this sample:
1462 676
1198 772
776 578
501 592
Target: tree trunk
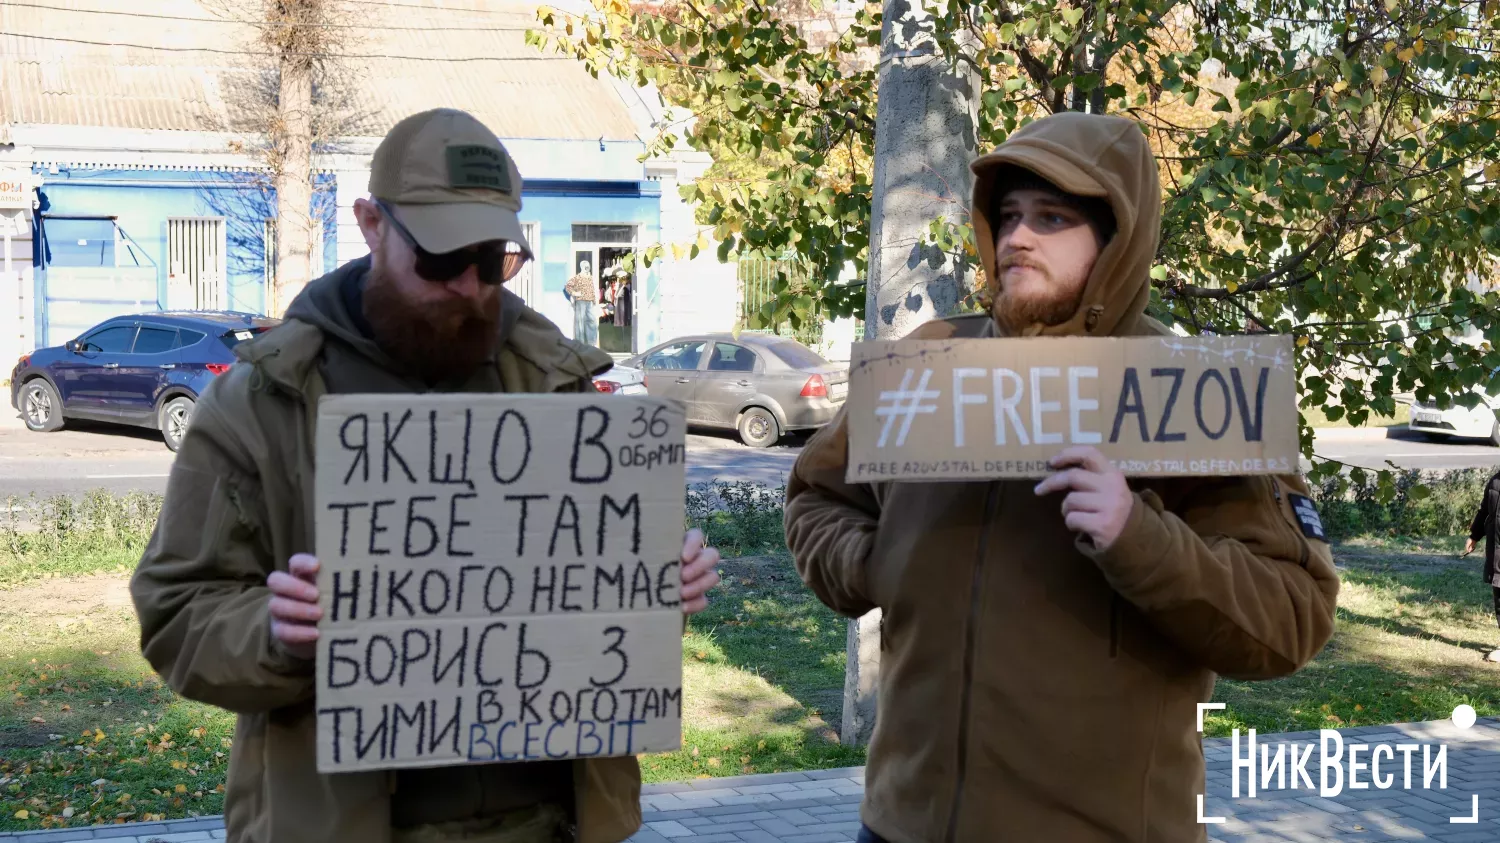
925 138
294 224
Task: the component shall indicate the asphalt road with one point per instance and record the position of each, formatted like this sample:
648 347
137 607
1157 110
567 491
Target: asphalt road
90 456
120 459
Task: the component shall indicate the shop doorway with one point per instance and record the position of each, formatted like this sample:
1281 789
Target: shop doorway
602 250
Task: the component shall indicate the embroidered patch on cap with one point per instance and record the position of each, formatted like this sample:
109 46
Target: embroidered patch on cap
1307 517
478 166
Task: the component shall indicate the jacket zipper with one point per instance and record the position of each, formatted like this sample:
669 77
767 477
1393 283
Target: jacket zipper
991 507
1296 532
1114 624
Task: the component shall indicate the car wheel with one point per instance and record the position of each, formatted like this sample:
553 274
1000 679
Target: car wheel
758 428
41 407
176 415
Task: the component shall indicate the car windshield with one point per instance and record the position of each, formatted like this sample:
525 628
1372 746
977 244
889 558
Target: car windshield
797 356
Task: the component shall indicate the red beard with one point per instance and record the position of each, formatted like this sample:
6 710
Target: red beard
435 340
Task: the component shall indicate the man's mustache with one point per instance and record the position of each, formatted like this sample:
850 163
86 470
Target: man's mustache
1019 260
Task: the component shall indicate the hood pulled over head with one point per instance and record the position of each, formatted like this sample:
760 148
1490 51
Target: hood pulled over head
1091 156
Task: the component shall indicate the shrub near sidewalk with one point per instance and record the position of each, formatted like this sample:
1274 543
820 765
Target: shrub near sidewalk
60 536
1431 505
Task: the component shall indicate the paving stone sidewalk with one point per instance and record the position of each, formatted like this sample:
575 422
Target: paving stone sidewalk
822 806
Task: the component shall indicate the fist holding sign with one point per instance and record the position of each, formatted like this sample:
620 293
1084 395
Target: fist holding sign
499 578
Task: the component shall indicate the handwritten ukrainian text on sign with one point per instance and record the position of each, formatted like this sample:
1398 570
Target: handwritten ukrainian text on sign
995 408
499 578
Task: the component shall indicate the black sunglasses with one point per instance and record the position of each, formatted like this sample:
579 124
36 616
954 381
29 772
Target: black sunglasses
497 261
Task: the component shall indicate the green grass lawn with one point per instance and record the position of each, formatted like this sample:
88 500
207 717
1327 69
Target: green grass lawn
89 735
1414 626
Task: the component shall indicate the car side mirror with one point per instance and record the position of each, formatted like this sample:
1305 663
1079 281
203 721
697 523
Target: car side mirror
73 346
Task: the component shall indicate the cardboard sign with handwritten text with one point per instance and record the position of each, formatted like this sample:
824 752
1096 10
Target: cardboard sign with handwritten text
499 578
979 409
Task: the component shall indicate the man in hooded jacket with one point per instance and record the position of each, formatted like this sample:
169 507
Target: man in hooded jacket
226 591
1044 646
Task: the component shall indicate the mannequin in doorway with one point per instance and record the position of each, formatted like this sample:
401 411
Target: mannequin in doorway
580 291
622 298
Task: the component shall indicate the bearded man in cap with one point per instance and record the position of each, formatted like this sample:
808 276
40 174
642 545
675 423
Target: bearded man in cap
226 592
1044 646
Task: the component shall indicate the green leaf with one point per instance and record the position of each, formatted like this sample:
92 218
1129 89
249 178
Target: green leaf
1072 16
1159 273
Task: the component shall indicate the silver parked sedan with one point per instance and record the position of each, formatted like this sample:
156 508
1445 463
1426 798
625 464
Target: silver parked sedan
760 385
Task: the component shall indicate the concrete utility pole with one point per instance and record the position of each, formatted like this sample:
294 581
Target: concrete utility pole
925 137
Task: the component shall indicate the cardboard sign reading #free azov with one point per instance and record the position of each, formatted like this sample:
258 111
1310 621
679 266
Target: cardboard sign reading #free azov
980 409
499 578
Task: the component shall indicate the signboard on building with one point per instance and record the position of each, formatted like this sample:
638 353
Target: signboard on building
15 188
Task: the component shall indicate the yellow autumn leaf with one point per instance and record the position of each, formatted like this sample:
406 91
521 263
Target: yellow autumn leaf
1142 18
1340 86
1406 54
1378 75
166 737
991 40
99 735
1302 342
1390 45
1316 140
677 251
1419 45
1450 36
182 788
22 814
1232 287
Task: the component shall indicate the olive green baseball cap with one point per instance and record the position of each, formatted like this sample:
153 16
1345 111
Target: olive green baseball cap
450 181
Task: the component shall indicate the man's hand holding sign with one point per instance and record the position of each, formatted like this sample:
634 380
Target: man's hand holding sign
295 612
1098 501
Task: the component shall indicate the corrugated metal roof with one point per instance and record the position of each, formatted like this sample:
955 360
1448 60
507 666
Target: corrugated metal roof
184 73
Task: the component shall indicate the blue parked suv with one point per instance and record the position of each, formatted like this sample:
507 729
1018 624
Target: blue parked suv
145 370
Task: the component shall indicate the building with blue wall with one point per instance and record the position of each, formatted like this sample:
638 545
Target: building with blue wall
149 194
133 221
